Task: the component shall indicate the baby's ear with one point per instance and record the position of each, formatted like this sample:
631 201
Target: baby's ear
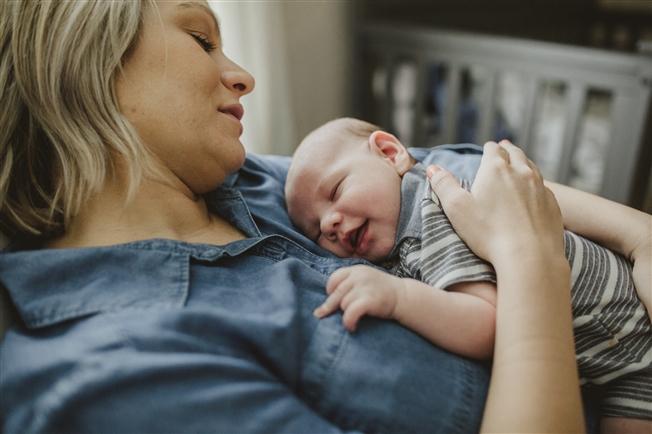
389 147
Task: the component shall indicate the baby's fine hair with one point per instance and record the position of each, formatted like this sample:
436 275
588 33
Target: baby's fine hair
60 124
346 126
322 139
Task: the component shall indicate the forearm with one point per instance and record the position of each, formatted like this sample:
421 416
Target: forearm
534 379
611 224
461 323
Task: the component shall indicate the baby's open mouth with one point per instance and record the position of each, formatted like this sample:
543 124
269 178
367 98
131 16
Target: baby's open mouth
356 236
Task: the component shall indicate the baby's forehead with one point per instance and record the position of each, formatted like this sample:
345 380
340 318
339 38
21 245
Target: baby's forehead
330 146
300 191
314 157
320 152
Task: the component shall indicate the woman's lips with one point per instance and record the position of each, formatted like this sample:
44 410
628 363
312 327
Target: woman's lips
235 112
234 109
235 119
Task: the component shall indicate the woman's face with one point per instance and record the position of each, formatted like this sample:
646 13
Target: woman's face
182 94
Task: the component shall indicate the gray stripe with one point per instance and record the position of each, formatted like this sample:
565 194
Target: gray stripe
612 330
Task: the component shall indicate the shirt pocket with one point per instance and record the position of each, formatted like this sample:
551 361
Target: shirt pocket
386 379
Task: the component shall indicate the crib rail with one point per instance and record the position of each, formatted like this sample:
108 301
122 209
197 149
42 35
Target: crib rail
384 51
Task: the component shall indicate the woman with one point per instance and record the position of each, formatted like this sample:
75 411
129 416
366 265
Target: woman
160 285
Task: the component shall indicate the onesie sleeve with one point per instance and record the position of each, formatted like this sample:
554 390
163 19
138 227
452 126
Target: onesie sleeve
407 265
444 259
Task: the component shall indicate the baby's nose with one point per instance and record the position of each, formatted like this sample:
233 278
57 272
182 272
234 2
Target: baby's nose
329 224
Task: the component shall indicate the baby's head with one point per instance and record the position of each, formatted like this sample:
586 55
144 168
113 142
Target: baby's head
343 188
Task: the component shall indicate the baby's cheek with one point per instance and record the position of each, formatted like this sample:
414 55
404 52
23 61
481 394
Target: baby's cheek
386 244
330 246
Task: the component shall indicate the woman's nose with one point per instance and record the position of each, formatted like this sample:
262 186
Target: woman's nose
238 79
329 224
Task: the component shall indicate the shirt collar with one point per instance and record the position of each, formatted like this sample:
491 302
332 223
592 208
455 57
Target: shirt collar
413 184
231 179
48 286
228 203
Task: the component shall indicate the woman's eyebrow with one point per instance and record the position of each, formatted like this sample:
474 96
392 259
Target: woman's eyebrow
205 9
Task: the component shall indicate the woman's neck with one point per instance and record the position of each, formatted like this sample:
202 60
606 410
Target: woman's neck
158 210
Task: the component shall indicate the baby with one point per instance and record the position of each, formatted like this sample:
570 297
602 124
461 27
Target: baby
357 192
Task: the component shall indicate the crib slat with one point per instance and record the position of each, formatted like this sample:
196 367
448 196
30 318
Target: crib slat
540 62
452 103
628 113
487 109
529 105
389 63
574 107
418 134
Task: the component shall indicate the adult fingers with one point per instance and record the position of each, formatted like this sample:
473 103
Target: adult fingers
493 151
516 155
520 161
448 190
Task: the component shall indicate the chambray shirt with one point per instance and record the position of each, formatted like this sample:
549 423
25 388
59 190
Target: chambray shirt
163 336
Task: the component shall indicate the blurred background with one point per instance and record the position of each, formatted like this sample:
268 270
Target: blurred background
568 80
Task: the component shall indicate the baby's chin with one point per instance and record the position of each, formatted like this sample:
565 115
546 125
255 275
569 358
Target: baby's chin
379 254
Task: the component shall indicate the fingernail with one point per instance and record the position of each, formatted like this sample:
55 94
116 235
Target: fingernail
432 170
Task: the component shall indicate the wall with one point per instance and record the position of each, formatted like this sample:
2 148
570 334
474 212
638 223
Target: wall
319 46
300 54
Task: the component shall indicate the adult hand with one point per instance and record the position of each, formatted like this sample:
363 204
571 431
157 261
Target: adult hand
512 220
508 210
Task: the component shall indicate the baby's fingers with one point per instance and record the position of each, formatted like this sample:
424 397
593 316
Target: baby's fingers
337 278
354 312
326 308
333 301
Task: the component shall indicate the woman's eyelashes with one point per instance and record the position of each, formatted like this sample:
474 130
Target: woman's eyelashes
205 43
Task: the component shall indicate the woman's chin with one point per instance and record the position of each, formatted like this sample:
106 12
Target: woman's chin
242 155
233 159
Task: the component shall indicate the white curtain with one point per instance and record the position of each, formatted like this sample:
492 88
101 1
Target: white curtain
253 34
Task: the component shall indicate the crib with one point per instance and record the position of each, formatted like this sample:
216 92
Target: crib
580 113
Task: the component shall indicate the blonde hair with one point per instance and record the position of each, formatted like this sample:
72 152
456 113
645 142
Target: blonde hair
60 124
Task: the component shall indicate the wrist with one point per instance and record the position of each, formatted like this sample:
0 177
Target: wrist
400 293
530 253
534 263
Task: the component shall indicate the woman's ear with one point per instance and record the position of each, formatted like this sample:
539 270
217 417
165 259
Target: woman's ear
389 147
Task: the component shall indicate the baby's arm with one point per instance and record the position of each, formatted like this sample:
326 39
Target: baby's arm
615 226
618 227
461 320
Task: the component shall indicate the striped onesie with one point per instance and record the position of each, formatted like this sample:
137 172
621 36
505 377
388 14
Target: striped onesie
613 336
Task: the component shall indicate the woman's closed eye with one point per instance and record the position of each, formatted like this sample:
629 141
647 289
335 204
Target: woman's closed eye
205 43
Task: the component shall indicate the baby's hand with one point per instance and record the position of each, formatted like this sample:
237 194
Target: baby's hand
361 290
